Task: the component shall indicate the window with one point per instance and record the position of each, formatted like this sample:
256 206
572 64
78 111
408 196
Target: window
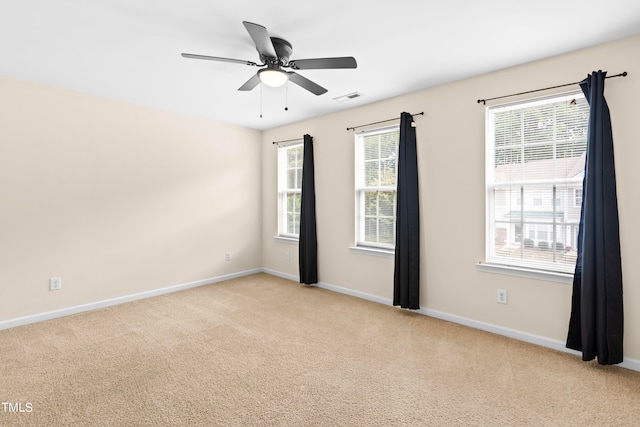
290 159
535 151
376 172
577 197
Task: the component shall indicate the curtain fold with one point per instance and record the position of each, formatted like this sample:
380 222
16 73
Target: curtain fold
308 243
596 323
406 280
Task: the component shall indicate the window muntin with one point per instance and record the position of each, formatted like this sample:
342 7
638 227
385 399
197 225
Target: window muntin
290 159
535 154
376 187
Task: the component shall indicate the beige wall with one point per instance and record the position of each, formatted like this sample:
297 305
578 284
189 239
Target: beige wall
451 163
118 199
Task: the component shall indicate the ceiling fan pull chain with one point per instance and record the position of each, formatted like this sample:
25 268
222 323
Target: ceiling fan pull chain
260 100
286 96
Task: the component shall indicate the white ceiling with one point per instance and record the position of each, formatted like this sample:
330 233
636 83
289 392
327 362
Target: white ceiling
130 49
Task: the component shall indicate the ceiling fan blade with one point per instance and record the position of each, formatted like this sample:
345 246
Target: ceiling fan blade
216 58
250 84
306 83
261 38
323 63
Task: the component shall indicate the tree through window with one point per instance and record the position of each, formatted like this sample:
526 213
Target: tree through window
376 184
289 189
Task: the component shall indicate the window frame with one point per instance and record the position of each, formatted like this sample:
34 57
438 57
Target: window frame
530 268
361 244
284 190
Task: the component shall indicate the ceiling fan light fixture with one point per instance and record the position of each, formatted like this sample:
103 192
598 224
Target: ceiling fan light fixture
273 78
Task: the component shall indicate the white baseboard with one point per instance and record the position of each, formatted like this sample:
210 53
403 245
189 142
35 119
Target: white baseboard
281 274
34 318
628 363
632 364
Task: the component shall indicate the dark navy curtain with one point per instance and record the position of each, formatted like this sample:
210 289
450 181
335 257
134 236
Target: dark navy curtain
596 323
406 280
308 243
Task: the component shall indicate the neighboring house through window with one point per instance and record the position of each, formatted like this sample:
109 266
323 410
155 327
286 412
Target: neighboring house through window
535 152
290 159
376 187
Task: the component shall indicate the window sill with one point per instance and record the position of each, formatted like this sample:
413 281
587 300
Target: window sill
385 253
284 239
549 276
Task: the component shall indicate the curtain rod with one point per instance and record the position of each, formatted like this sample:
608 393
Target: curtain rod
384 121
288 140
484 101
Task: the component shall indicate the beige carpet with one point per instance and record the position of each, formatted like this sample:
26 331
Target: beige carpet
263 351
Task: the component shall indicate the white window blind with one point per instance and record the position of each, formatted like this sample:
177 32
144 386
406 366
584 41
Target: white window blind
376 186
535 165
290 158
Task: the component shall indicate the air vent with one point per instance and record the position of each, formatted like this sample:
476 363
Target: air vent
348 97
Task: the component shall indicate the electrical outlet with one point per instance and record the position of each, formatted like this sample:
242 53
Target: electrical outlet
286 256
227 256
501 296
55 283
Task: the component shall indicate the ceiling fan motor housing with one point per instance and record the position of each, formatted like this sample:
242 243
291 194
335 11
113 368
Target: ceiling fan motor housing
283 49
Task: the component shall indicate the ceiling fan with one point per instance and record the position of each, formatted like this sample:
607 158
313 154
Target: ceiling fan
274 53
